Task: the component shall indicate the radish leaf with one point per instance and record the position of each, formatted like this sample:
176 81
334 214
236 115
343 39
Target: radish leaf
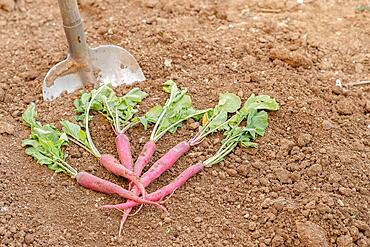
168 118
45 144
229 102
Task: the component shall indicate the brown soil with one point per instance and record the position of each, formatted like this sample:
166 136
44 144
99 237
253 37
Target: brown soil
307 184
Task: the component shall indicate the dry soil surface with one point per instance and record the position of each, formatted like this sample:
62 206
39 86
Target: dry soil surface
307 183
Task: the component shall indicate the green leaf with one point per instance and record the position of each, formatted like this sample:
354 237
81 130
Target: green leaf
29 116
218 120
45 145
76 132
119 111
134 96
258 121
229 102
177 109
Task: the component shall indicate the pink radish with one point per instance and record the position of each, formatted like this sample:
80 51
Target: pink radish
144 157
111 164
95 183
124 151
163 164
164 191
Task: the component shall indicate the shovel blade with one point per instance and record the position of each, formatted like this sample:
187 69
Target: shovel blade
108 64
60 79
115 65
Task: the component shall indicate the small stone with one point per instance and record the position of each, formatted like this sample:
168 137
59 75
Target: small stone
304 139
314 170
362 226
13 229
367 106
345 191
340 202
194 125
197 219
327 124
252 226
344 241
311 234
168 62
28 239
266 203
6 128
2 94
222 175
242 170
151 3
334 177
232 172
167 219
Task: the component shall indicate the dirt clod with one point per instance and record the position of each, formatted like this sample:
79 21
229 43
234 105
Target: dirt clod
345 106
311 235
304 139
6 128
7 5
344 241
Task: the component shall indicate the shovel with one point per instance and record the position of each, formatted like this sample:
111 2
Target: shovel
101 65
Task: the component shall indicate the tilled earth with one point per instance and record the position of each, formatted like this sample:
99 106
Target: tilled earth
307 183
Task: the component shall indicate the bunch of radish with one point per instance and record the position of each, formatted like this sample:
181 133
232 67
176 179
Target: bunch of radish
240 124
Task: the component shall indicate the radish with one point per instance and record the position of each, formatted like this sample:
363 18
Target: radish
120 111
95 183
111 164
168 118
256 125
144 157
215 120
124 151
164 191
45 146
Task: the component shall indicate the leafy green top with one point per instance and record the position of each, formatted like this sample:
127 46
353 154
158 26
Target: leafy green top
216 119
256 118
120 111
169 117
45 143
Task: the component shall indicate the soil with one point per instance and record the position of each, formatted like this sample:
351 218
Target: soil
307 183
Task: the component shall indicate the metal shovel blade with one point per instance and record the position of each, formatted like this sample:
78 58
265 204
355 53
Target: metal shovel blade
105 64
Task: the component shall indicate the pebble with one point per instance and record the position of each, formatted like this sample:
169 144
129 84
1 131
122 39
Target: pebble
252 226
13 229
28 239
194 125
232 172
2 94
304 139
314 170
151 3
327 124
367 106
197 219
167 219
